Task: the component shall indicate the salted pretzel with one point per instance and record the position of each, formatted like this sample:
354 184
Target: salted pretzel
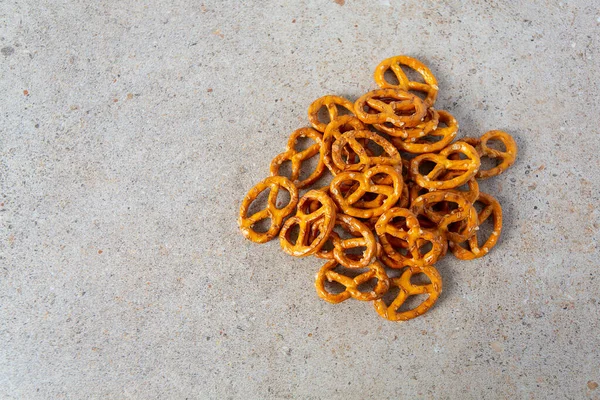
324 216
473 250
298 157
277 215
351 284
394 63
352 139
332 103
442 208
382 105
409 232
505 158
444 164
334 130
407 289
361 237
464 214
445 134
430 123
366 185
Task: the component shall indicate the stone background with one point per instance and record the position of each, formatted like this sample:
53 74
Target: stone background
131 130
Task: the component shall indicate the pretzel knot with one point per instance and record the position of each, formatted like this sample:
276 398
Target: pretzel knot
409 231
394 63
351 284
336 128
464 215
407 289
429 124
305 218
361 237
492 208
350 202
352 139
276 215
332 104
444 136
504 158
298 157
443 164
391 106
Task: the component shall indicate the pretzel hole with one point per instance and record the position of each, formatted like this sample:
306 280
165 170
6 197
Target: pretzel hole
412 74
496 144
302 143
309 166
368 286
398 222
425 248
457 155
334 287
391 295
323 113
390 77
426 166
311 206
489 162
355 251
374 149
412 302
348 187
261 202
342 232
283 199
292 234
285 169
262 225
420 279
426 222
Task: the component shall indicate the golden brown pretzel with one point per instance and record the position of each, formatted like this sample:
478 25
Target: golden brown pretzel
276 215
444 164
430 86
383 106
464 214
331 103
407 289
362 237
366 185
430 123
305 219
506 158
334 130
376 271
352 139
492 208
424 145
411 233
297 158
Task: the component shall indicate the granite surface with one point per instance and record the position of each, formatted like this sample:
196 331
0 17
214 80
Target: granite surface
131 130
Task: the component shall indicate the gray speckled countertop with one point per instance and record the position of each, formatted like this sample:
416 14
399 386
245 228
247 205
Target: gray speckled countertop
130 131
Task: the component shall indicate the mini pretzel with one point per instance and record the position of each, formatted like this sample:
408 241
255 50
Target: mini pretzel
331 103
407 289
410 233
366 185
430 123
363 237
492 207
506 158
469 167
426 144
465 214
376 271
351 138
383 105
334 130
296 158
276 215
305 218
430 86
471 195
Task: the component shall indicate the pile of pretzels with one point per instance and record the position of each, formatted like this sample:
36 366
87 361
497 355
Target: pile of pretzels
402 193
